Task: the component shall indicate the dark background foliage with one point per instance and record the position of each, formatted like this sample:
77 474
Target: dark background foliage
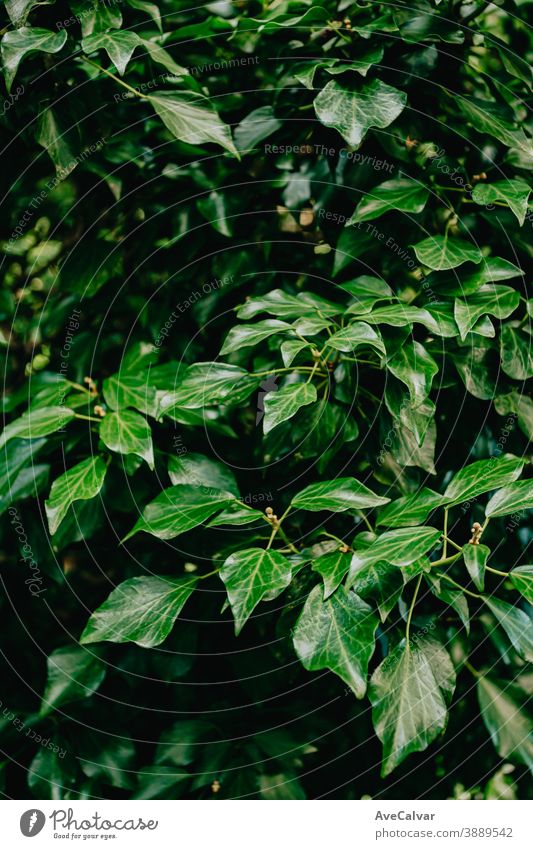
127 247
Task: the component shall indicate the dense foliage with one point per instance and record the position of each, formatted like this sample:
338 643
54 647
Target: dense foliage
266 466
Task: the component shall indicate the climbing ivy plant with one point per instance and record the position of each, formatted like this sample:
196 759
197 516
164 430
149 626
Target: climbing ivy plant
267 341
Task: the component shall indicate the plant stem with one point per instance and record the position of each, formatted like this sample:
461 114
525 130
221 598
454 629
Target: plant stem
497 572
444 533
410 614
454 544
87 418
117 79
367 523
459 586
471 669
444 561
281 370
81 388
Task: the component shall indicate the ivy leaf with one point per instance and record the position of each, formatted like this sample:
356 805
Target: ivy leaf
442 253
34 423
513 193
354 112
475 557
80 483
483 476
16 44
400 547
381 582
366 291
522 580
285 403
128 432
118 44
415 368
123 390
249 576
73 673
489 117
452 598
246 335
256 126
284 305
365 60
199 470
517 496
50 135
403 195
410 509
192 119
337 495
209 384
290 349
499 301
410 693
516 352
400 315
179 509
140 610
516 623
332 567
355 334
337 634
505 715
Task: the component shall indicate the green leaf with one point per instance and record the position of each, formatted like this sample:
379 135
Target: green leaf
402 194
73 673
18 10
355 334
362 64
451 597
140 610
517 624
18 43
162 57
483 476
246 335
285 402
475 557
410 509
366 291
209 384
489 117
290 349
354 112
513 193
179 509
442 253
34 423
256 126
337 495
400 547
517 496
505 714
123 390
332 566
80 483
337 634
522 580
381 582
400 315
252 575
282 304
410 693
415 368
199 470
499 301
128 432
429 27
50 135
118 44
192 119
516 351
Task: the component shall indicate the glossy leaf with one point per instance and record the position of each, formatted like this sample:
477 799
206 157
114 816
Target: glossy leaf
337 495
179 509
337 634
285 403
140 610
410 693
79 483
73 673
354 112
511 499
249 576
127 432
